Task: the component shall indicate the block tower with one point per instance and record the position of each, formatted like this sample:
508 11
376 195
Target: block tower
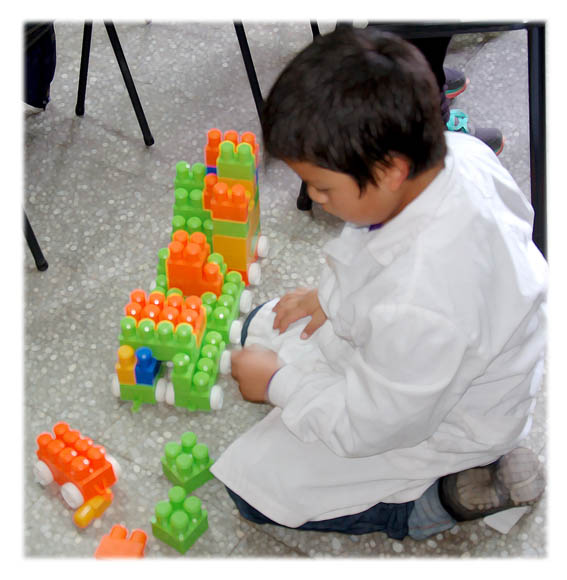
191 313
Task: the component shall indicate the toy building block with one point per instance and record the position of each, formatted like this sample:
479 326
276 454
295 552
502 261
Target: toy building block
117 544
147 385
188 268
187 463
180 521
92 509
78 465
189 204
236 162
126 365
189 178
165 339
230 204
147 366
194 383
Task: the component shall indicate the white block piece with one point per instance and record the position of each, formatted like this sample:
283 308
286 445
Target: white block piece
245 302
170 394
72 495
216 398
42 473
161 388
115 466
263 247
225 364
115 386
254 274
235 332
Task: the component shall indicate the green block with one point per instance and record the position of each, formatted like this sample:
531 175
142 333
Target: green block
189 204
193 382
164 340
232 229
188 178
179 521
187 463
141 394
236 164
224 310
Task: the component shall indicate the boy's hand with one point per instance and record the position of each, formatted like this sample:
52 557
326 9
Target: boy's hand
253 367
297 304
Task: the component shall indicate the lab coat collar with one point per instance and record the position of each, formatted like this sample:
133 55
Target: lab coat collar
396 235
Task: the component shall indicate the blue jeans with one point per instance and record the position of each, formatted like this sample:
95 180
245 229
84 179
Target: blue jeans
418 519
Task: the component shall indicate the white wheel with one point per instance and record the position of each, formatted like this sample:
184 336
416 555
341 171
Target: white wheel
42 473
216 398
170 394
263 247
72 495
254 274
245 302
115 386
115 466
161 388
225 363
153 282
235 332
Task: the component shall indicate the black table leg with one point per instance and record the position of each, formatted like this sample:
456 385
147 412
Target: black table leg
39 258
536 76
87 35
113 36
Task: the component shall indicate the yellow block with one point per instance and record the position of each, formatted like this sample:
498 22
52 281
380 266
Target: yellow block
125 365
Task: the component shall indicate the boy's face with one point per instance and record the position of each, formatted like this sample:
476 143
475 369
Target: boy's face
338 193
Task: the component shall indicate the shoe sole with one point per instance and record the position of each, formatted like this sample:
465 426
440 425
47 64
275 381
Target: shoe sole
457 92
502 486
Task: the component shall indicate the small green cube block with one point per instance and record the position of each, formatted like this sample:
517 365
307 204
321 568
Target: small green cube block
187 464
179 521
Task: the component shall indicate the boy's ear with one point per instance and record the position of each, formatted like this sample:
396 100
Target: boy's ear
393 177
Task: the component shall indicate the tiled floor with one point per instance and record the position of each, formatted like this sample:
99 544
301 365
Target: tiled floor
100 203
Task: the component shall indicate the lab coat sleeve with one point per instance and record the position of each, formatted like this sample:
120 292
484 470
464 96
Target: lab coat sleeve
391 391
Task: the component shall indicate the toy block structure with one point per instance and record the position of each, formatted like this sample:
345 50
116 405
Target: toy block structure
180 520
192 313
75 463
226 209
187 463
138 373
117 544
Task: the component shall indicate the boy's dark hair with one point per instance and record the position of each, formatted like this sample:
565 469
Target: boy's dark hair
352 99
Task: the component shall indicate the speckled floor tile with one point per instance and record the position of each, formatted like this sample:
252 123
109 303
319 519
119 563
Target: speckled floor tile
100 203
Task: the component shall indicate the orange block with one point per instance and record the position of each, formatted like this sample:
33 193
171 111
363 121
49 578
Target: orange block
117 544
228 204
233 250
187 267
212 147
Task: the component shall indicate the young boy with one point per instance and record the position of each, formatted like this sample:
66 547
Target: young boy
404 383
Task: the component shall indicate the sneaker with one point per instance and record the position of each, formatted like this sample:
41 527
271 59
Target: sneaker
515 480
460 122
456 82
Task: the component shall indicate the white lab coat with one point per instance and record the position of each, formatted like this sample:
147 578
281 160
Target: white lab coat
429 361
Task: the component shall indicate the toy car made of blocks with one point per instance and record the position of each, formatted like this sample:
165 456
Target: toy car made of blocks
81 467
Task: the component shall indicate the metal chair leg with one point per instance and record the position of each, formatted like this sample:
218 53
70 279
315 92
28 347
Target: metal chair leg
85 52
249 65
113 36
536 80
39 258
